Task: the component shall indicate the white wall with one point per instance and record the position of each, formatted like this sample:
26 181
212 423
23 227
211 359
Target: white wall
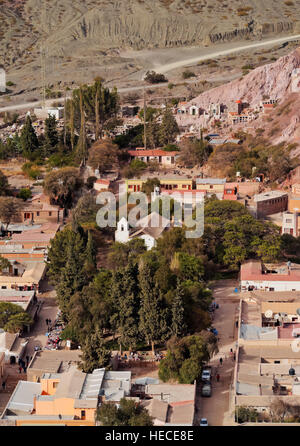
150 242
2 81
266 284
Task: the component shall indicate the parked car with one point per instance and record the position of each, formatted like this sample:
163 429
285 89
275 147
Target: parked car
206 374
206 390
203 422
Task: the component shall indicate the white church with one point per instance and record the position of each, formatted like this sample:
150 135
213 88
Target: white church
148 229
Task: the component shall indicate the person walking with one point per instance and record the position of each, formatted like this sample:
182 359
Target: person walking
3 385
221 361
47 321
234 356
218 377
20 369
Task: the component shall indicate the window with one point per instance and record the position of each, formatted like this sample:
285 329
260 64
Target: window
83 414
288 220
211 186
4 287
50 213
38 213
55 385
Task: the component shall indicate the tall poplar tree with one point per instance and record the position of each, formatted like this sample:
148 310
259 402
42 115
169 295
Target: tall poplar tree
95 354
152 314
51 135
125 296
72 277
178 327
169 127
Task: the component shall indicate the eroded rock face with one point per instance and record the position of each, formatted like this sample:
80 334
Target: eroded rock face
71 25
271 80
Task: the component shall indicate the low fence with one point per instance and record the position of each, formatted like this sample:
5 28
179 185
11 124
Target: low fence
150 365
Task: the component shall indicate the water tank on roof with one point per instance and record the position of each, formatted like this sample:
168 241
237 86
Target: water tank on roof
292 371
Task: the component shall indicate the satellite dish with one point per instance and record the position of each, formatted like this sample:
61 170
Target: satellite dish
298 311
276 316
268 314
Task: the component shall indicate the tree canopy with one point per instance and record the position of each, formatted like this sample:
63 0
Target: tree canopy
127 414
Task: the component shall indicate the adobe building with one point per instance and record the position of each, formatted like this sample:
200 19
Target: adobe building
162 157
269 203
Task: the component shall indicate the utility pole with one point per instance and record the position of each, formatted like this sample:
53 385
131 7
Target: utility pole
145 135
43 56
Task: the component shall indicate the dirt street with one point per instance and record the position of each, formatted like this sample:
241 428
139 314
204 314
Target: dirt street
216 408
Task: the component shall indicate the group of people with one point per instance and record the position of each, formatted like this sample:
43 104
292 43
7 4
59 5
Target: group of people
23 365
132 357
135 357
53 335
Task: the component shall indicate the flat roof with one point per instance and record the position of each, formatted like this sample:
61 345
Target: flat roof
211 180
22 398
269 195
253 270
173 392
50 361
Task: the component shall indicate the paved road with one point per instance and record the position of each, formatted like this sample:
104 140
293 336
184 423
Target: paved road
217 407
166 67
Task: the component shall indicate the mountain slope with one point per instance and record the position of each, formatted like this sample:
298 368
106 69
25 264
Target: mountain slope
75 27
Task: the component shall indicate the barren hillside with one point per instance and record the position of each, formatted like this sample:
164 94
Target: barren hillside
74 28
273 81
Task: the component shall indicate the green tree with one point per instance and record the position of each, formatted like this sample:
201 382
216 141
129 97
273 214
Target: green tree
169 128
4 263
186 357
13 317
86 209
72 277
50 136
10 208
62 185
195 152
103 155
178 328
95 355
24 194
90 263
122 253
245 414
81 148
152 315
29 141
17 322
128 414
149 186
4 187
126 298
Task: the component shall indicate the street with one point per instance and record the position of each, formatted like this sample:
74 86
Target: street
36 337
217 408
